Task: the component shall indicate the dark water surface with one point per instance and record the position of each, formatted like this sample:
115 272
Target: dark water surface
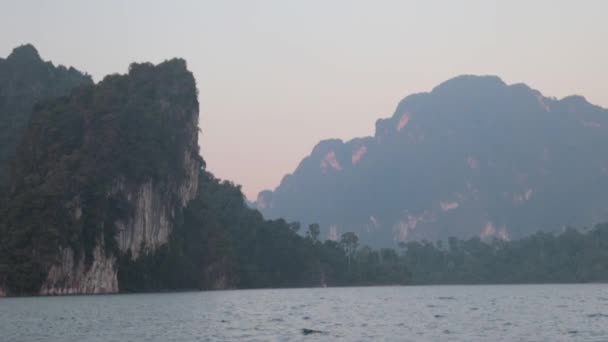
416 313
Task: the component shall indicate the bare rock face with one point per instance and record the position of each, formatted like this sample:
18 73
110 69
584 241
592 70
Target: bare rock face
102 174
149 226
71 276
153 217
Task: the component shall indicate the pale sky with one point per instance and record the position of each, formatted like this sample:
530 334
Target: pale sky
277 76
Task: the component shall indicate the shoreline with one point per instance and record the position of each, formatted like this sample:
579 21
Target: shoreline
291 288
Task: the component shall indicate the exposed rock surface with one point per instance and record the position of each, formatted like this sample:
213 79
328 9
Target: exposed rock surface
473 157
154 215
70 275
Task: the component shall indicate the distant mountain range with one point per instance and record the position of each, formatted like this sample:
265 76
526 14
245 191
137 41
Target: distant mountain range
473 157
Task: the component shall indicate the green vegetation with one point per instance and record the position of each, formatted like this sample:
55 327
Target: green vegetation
129 129
569 257
221 243
24 80
83 154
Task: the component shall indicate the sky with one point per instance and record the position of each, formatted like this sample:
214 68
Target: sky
277 76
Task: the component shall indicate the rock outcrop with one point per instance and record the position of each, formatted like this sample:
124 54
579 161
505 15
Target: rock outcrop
154 213
70 275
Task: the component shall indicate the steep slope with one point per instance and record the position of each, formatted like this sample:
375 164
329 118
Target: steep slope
102 173
24 80
474 156
109 194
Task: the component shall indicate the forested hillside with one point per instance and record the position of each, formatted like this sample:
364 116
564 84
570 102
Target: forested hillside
109 193
221 243
24 80
100 172
572 256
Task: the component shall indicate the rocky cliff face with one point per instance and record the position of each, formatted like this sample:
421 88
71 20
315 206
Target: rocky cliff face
473 157
70 275
154 211
102 174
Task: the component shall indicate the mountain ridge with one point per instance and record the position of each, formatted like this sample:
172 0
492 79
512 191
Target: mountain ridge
457 114
25 78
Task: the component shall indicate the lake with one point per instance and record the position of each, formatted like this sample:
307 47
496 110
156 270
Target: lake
411 313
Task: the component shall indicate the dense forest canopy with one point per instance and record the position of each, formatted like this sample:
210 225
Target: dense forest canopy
222 243
81 157
572 256
24 80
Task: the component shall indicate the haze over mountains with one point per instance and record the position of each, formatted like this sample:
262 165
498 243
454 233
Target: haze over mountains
473 157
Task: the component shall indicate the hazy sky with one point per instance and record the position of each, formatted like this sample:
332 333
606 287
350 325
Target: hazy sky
275 77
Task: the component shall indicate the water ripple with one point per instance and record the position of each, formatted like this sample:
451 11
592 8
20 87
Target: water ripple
421 313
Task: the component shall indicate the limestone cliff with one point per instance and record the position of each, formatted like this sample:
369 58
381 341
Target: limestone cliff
102 174
72 276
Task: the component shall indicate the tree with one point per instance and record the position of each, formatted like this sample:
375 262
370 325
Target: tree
349 242
314 230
